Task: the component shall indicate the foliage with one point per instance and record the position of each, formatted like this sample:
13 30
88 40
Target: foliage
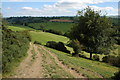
36 42
93 32
76 46
117 76
117 35
82 55
115 21
96 57
105 59
25 20
15 45
59 46
113 60
54 32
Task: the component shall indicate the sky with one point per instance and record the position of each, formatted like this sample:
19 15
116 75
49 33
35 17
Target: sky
56 7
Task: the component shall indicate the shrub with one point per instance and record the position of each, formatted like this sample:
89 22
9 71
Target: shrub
109 59
76 46
96 57
58 46
117 76
105 59
66 34
36 42
51 44
113 60
14 48
82 55
54 32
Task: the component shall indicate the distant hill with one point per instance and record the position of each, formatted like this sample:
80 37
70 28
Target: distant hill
60 20
112 16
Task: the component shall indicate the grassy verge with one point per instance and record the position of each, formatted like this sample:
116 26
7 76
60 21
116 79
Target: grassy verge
51 68
14 64
87 67
33 54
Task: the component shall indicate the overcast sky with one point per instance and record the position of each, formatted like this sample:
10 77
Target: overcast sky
56 7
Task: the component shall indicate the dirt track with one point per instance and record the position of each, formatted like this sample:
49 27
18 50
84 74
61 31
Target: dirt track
29 68
65 68
33 68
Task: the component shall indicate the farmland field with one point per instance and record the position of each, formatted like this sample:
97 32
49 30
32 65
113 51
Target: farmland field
19 28
43 37
59 26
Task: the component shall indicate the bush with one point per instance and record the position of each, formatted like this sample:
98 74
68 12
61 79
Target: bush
54 32
58 46
36 42
82 55
14 48
66 34
51 44
76 46
96 57
105 59
113 60
117 76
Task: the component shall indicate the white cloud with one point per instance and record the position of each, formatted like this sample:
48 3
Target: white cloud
8 8
66 7
88 1
85 1
27 8
16 0
106 10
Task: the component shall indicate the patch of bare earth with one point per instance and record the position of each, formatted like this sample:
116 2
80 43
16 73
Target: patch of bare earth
29 68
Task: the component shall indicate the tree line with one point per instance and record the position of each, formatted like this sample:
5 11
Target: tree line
26 20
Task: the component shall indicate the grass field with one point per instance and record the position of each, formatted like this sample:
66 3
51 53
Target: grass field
40 36
87 67
19 28
64 27
43 37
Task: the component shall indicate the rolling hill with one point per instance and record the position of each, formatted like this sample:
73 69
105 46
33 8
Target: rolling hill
57 64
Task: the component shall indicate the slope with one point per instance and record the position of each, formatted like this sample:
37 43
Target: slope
40 63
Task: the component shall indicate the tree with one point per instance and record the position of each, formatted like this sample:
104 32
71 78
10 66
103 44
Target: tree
76 46
93 31
42 27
